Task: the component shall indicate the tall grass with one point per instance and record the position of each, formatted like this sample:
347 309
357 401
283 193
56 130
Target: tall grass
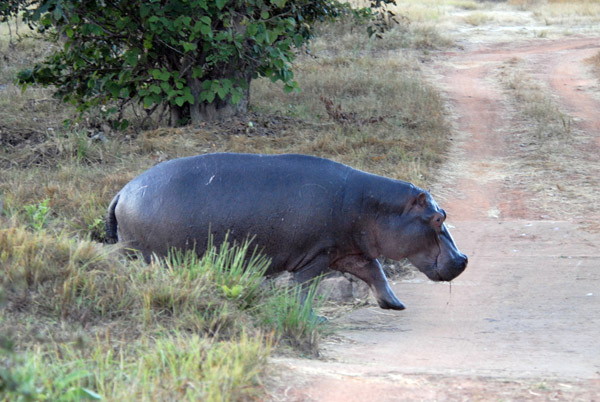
177 367
184 327
291 313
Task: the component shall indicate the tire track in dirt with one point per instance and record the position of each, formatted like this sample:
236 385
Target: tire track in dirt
471 190
521 323
485 173
578 91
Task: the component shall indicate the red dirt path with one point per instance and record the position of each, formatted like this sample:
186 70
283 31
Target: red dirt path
523 321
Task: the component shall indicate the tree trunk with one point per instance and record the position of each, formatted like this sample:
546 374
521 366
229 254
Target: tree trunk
219 109
177 115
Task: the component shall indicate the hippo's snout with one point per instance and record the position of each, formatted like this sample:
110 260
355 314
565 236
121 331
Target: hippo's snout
451 269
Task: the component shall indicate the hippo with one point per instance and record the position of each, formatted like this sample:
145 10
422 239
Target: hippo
305 213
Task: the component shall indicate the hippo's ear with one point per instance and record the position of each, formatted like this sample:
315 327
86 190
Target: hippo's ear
420 200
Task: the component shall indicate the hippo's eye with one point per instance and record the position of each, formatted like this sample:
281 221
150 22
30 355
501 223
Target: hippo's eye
437 220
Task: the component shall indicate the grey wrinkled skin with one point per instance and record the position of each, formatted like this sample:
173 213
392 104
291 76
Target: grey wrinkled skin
305 213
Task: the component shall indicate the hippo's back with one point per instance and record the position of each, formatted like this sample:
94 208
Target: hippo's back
286 202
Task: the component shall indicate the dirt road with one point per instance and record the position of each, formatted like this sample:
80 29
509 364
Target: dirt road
523 321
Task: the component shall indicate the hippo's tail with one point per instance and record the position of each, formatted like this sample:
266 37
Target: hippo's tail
111 221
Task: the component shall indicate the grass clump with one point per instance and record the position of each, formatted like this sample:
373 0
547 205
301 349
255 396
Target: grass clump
535 104
290 313
90 322
594 62
55 275
477 18
465 4
199 369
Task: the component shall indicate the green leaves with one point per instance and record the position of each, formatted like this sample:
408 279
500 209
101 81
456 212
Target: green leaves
162 75
167 86
220 4
181 52
232 293
188 47
201 28
131 56
222 89
185 97
37 214
236 95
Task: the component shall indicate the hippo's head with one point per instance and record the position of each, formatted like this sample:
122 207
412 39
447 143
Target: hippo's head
419 234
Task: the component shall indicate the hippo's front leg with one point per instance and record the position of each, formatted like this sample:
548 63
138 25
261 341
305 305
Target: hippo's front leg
371 272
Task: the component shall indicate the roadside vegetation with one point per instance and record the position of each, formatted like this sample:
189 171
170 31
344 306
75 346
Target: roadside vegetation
81 321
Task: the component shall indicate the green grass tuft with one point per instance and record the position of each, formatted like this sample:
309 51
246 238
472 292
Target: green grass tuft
290 312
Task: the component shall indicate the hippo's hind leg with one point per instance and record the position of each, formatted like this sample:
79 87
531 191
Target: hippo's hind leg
304 277
132 248
370 271
133 251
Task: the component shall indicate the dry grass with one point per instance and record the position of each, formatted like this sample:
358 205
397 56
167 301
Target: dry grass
563 12
373 80
549 152
420 11
465 4
498 21
20 47
477 18
536 105
594 62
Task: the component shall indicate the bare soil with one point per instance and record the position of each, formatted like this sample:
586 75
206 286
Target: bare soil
522 322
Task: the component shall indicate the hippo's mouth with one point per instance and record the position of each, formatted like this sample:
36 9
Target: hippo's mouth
437 274
432 271
442 269
448 271
434 274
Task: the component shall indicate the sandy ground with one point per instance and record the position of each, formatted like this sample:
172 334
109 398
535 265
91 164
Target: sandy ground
522 322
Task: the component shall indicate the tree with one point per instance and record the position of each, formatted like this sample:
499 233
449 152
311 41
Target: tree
8 9
194 57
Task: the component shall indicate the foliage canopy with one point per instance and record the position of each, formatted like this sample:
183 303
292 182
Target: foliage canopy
195 58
